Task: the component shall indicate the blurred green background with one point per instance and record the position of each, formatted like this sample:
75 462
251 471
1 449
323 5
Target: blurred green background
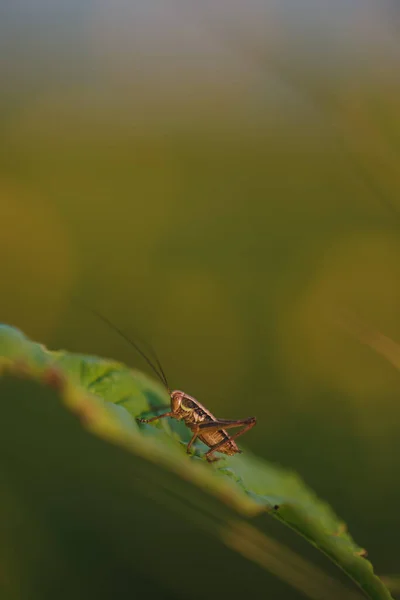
219 178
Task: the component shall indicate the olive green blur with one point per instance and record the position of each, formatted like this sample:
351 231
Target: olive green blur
224 184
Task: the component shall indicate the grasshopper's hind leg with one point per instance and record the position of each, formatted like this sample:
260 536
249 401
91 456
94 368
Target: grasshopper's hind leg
246 425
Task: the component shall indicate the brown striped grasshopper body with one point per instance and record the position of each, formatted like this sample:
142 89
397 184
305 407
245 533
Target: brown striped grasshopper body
210 430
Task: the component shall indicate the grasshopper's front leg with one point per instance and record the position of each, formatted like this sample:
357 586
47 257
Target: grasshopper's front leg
194 436
167 414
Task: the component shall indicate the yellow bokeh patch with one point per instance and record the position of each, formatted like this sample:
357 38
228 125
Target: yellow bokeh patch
358 275
36 261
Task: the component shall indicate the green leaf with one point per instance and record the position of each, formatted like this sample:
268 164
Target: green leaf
91 498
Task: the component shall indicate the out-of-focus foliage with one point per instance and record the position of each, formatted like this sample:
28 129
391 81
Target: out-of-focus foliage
221 178
47 456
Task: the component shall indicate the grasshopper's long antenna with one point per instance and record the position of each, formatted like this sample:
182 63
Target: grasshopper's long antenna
160 374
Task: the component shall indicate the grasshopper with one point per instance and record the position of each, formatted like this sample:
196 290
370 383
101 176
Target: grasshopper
201 422
210 430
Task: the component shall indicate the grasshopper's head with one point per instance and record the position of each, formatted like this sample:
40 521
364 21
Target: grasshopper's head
176 401
181 404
